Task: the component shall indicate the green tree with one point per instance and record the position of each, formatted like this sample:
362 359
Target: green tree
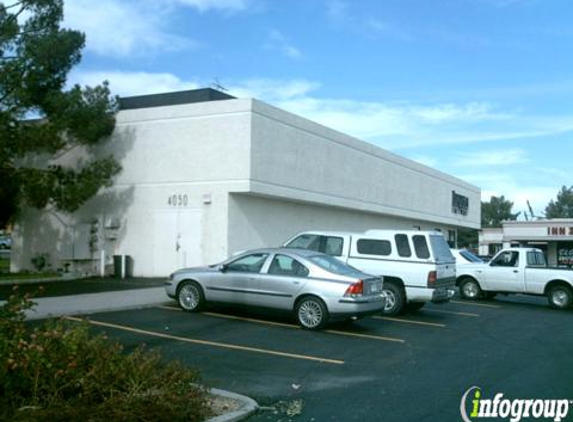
468 238
495 211
562 207
40 120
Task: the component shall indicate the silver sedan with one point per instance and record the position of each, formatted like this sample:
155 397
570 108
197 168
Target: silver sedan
316 287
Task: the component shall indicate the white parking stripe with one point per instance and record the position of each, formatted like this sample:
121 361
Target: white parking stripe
467 314
410 321
484 305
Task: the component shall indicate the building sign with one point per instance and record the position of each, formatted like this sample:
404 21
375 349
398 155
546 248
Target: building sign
560 231
460 203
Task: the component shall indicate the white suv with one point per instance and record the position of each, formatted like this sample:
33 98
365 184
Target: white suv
417 266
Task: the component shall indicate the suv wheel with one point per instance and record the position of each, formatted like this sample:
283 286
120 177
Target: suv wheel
395 299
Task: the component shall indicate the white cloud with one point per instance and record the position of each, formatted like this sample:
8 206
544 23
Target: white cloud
506 184
134 83
491 157
273 91
278 42
402 126
121 28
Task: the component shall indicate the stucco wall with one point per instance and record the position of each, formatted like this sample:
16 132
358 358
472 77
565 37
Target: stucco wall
256 221
199 152
298 159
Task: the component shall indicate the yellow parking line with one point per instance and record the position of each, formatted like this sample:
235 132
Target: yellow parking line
209 343
484 305
410 321
258 321
468 314
213 314
296 327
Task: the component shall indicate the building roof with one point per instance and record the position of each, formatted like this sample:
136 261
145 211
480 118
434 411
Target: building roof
173 98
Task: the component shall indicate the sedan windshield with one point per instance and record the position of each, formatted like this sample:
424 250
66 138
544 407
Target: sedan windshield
334 266
471 257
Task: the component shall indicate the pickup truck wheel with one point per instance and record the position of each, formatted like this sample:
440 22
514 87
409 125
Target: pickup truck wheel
560 297
470 289
395 299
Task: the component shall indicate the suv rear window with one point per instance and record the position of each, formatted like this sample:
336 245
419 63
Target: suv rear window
306 241
421 246
441 249
330 245
403 245
374 247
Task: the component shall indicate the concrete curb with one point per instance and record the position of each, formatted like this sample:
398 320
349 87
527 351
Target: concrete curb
249 406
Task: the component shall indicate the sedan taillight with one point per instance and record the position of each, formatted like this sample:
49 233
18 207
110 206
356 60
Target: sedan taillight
355 289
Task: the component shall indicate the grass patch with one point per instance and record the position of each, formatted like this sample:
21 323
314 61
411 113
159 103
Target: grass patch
58 371
4 266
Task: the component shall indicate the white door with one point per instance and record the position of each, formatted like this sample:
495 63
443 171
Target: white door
176 241
504 273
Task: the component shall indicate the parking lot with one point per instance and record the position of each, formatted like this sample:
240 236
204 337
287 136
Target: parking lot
408 368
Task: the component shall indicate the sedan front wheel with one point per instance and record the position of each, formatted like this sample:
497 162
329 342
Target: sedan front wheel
311 313
190 296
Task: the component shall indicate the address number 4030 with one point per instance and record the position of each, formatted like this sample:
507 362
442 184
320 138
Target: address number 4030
177 200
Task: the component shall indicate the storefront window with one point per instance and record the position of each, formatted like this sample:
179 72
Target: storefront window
565 254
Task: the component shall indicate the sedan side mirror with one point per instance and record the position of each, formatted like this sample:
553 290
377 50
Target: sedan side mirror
222 268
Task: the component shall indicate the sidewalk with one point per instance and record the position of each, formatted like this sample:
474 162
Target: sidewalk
85 296
88 303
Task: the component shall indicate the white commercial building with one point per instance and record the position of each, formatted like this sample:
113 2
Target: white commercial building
553 236
206 175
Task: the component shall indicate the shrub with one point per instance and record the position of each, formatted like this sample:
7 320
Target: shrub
57 371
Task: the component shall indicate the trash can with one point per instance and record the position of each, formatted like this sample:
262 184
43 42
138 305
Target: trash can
117 266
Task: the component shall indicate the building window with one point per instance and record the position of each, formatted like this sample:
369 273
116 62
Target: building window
565 254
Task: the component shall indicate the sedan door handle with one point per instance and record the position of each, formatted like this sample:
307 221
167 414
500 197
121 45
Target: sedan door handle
515 271
296 282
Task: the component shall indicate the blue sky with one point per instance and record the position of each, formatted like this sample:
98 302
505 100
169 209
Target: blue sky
480 89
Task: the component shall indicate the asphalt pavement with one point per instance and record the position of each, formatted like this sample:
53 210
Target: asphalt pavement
410 368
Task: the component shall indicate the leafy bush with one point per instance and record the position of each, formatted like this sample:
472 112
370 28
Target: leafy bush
57 371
